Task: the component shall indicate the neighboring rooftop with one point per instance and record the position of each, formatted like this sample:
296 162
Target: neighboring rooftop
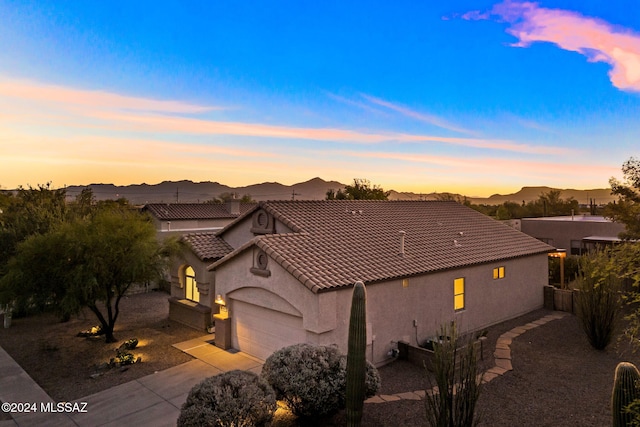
581 218
192 211
336 243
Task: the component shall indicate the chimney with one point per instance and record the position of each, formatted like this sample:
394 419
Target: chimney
233 206
402 234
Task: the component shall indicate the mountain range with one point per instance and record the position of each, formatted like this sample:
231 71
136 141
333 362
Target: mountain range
314 189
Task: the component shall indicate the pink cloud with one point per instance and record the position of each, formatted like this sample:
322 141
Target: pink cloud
199 126
488 166
31 91
594 38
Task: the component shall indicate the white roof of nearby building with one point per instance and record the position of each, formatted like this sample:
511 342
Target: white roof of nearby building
577 218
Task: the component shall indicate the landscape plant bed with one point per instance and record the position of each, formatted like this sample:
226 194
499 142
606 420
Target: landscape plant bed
558 379
68 366
424 355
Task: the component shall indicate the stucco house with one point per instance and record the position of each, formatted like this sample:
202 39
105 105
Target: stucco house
181 218
284 271
574 233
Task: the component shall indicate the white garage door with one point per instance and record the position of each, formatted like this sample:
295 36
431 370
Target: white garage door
260 331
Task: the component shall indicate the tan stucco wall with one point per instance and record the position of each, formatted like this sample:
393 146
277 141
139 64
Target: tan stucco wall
392 308
241 233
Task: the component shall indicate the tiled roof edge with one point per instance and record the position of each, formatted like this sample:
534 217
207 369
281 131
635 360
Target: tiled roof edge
234 253
239 218
281 217
292 269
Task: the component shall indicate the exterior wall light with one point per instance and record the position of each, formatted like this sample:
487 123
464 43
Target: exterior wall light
219 300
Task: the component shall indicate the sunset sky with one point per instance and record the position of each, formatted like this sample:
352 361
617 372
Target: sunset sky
473 97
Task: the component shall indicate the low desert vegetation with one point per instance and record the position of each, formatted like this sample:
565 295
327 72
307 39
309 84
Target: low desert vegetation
598 301
454 383
311 379
234 398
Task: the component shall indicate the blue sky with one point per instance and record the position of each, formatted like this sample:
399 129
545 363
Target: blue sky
469 97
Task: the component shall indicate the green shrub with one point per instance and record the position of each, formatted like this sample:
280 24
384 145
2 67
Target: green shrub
235 398
311 379
598 302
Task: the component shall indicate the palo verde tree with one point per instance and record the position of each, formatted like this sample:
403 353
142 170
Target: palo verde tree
626 209
88 262
361 189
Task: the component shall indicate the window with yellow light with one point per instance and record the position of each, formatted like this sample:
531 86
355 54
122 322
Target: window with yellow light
458 293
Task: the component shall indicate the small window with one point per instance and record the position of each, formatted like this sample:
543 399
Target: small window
498 273
190 285
458 293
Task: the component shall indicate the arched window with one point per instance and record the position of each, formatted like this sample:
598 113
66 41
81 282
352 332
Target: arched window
190 286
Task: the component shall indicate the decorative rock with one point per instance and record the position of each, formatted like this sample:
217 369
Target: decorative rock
408 396
504 364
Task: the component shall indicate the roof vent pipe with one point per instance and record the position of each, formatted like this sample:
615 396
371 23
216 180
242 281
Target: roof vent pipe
402 234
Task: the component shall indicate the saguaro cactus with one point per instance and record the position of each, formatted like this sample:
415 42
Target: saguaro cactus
356 360
626 389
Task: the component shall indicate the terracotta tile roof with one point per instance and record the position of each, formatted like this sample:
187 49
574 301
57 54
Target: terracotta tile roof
336 243
186 211
207 246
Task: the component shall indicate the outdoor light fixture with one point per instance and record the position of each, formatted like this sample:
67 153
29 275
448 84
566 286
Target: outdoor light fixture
219 300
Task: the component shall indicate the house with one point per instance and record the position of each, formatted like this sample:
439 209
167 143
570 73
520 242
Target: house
289 267
181 218
574 233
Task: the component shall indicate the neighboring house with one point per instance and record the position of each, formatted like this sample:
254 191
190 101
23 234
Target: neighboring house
290 274
575 233
181 218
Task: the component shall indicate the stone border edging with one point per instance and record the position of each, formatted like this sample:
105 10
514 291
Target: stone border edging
502 356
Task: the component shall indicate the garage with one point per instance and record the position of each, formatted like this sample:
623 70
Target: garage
260 331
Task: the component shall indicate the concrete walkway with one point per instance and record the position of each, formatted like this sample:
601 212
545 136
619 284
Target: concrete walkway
502 356
154 400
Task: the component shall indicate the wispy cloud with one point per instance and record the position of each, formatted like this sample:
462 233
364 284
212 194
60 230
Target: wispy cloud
27 90
594 38
423 117
487 166
208 127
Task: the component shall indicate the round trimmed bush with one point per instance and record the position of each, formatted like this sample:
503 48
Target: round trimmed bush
312 379
235 398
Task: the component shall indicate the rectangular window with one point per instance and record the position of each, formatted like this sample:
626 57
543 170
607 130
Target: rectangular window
458 293
498 273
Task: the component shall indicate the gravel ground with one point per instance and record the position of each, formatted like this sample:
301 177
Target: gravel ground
63 364
558 379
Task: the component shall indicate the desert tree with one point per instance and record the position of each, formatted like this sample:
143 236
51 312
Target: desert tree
626 209
31 211
90 262
361 189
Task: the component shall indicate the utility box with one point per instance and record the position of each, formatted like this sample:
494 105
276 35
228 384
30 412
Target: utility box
223 331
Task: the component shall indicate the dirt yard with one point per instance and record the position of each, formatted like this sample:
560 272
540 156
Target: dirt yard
66 366
558 379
